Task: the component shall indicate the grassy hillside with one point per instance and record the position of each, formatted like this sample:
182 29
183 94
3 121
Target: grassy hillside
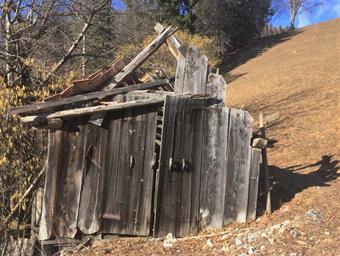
297 74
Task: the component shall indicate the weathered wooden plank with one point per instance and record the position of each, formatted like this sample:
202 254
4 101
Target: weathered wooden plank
180 74
111 171
214 169
183 156
146 179
192 72
163 220
178 188
175 47
198 119
128 209
216 86
40 121
90 207
256 159
70 179
77 100
52 171
238 168
106 108
140 58
196 71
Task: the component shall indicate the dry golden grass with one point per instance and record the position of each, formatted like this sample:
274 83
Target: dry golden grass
299 76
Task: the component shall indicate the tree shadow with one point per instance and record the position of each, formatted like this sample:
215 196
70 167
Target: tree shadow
288 182
241 56
230 78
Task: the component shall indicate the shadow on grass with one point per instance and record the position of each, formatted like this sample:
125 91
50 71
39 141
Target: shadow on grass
260 46
288 182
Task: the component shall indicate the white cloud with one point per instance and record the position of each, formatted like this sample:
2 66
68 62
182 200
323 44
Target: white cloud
336 9
303 20
322 9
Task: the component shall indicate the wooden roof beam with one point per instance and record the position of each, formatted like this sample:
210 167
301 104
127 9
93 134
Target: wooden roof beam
106 108
55 120
60 104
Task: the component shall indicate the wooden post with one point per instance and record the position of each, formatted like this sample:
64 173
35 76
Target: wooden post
265 168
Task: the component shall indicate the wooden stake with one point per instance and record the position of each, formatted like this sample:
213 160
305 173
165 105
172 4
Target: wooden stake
265 167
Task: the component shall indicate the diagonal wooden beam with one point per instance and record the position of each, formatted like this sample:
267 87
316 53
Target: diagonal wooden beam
175 47
55 105
141 58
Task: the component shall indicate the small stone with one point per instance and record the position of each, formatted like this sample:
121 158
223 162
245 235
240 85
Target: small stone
224 249
170 236
293 233
263 249
264 234
300 242
314 215
170 241
293 254
251 238
210 243
107 251
226 236
277 226
238 242
251 250
327 232
167 244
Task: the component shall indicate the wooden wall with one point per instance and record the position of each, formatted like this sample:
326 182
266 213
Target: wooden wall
105 179
100 178
204 179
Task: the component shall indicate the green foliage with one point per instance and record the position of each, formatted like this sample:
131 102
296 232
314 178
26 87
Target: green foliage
178 12
21 149
233 24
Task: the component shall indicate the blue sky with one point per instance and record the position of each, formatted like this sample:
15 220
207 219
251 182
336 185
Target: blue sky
330 9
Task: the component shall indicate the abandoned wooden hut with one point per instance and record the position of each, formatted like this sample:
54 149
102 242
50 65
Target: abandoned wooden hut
146 159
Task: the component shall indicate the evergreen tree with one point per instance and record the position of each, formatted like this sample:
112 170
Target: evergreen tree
234 24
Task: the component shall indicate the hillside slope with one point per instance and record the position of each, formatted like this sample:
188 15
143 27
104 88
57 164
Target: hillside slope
298 75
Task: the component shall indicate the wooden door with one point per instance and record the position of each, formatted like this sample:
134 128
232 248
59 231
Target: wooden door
129 172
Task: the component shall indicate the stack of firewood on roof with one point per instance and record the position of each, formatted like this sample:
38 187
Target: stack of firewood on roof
93 95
